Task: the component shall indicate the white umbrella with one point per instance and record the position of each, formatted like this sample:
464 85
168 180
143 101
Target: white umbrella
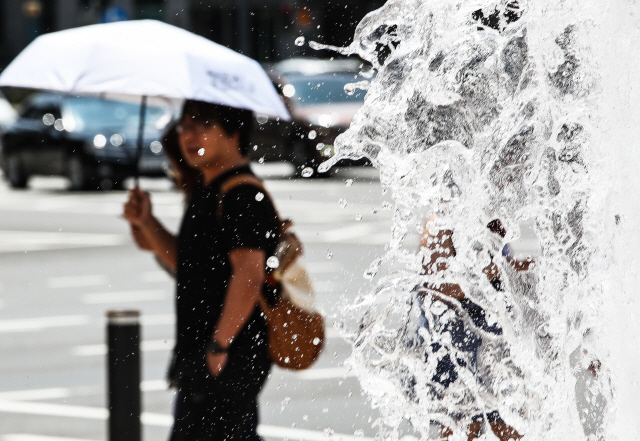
143 58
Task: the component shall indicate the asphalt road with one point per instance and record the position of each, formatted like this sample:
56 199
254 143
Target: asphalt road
66 258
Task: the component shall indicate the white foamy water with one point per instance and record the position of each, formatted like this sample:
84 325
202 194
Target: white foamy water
493 110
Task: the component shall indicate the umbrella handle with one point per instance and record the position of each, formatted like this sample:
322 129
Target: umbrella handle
143 112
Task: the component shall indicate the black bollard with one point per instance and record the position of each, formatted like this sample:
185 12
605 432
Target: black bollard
123 372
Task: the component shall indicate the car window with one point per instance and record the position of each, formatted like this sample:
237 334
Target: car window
322 89
38 111
96 115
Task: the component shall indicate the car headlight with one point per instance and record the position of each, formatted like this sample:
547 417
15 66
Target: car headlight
116 139
99 141
156 147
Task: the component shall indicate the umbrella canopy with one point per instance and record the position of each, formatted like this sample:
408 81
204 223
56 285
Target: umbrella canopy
144 58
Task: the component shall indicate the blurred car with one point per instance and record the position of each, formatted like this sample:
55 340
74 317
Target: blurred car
7 114
90 140
313 91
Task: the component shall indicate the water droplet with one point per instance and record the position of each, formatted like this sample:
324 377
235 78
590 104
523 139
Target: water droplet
307 172
262 118
367 73
348 182
313 134
328 152
286 360
201 152
259 196
386 205
325 410
316 341
299 41
255 147
358 217
329 254
59 125
326 165
342 202
305 417
261 160
350 88
319 146
273 262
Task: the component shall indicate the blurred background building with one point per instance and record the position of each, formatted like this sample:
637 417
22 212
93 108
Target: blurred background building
262 29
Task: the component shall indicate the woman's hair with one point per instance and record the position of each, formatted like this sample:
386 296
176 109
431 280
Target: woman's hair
186 178
231 120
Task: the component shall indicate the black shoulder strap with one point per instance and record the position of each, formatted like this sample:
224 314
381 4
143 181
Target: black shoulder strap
236 181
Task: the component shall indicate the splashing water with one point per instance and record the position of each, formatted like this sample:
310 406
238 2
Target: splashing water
490 110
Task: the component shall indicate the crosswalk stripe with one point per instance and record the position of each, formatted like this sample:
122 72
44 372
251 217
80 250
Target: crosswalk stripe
30 437
124 297
40 323
23 241
79 281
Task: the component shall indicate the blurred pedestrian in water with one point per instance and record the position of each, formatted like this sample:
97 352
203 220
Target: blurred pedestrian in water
466 340
219 259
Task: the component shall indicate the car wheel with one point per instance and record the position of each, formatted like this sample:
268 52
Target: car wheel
15 172
303 156
79 174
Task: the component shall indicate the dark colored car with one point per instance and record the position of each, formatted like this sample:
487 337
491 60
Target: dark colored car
313 91
90 140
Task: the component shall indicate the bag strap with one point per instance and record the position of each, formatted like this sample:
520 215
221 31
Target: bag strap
285 226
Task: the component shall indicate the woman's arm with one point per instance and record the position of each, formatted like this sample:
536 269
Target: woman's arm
247 278
148 232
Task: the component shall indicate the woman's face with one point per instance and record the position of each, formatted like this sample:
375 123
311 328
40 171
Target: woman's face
203 145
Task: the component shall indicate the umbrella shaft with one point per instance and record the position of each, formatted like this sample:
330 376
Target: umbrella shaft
143 112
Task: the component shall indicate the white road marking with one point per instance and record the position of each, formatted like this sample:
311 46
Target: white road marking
77 281
303 434
40 323
154 419
154 385
50 409
323 374
23 241
347 233
322 267
35 394
124 296
101 349
155 276
29 437
157 319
